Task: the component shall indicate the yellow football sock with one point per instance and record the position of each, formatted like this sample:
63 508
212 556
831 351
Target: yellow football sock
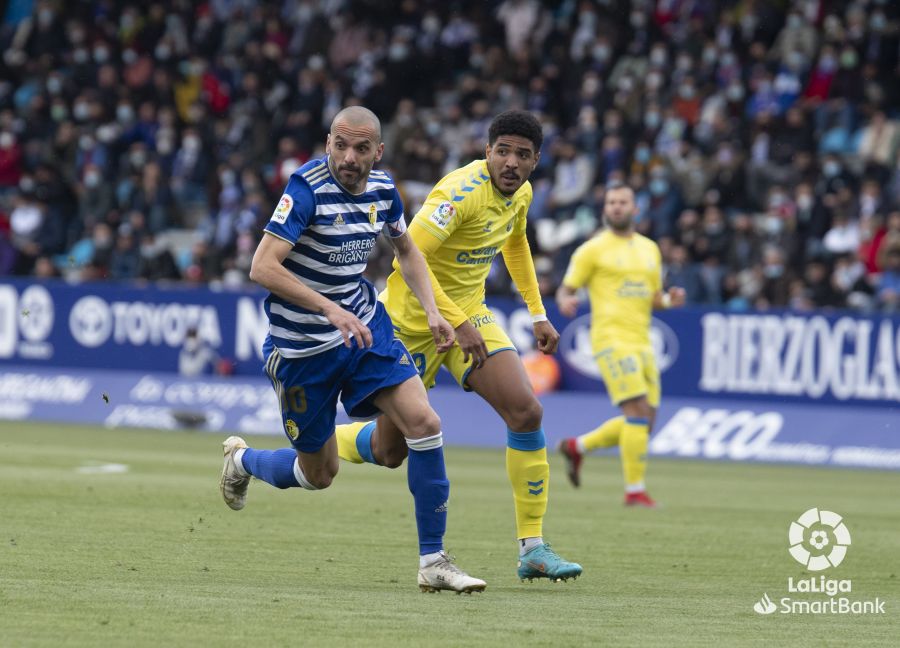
529 475
633 448
346 441
605 436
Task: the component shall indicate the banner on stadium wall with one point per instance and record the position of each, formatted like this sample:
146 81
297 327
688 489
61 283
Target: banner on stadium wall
787 357
699 428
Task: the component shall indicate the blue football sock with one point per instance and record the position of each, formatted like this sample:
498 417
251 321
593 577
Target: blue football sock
275 467
430 489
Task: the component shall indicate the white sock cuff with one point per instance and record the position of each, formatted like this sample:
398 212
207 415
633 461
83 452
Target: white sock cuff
579 445
300 477
239 462
635 488
426 443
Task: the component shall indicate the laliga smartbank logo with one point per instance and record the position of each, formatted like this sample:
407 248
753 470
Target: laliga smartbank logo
818 540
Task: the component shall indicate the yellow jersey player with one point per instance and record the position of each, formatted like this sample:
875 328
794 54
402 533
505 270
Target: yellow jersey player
469 217
622 272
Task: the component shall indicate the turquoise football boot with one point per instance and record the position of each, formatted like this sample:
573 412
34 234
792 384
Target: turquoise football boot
543 562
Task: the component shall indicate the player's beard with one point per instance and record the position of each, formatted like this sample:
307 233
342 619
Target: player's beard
620 227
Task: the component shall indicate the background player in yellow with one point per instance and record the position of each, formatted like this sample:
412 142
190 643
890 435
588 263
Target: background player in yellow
622 272
470 215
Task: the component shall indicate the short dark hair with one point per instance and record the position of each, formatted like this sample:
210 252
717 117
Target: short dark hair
517 122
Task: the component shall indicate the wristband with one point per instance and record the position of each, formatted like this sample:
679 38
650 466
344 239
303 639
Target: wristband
666 300
538 318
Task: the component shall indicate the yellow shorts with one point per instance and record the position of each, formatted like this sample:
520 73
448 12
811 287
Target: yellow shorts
629 372
428 360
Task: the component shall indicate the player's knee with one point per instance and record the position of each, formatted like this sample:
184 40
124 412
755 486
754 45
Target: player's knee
526 417
322 477
425 423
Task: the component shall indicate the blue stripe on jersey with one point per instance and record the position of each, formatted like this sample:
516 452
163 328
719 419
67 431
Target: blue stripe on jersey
320 277
339 198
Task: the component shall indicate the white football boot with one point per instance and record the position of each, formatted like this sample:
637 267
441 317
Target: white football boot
233 483
444 575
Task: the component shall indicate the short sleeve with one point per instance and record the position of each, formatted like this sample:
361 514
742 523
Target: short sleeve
440 215
395 224
294 211
579 270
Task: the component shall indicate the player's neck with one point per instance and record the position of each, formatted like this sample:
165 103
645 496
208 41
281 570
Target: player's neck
625 234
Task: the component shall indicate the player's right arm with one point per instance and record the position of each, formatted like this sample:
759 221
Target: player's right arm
433 224
293 213
577 275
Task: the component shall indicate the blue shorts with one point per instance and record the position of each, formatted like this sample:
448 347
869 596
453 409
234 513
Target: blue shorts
309 387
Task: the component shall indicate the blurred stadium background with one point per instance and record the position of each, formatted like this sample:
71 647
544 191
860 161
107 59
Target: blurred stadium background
144 145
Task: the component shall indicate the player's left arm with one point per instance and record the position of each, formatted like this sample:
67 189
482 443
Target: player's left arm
517 256
417 276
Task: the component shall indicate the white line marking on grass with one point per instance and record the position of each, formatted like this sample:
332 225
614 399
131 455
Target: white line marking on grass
103 469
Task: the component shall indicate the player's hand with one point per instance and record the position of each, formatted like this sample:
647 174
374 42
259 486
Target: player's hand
568 305
678 296
471 343
442 332
546 336
349 326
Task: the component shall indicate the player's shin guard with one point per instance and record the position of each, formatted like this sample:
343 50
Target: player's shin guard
529 474
354 442
274 467
605 436
430 489
633 448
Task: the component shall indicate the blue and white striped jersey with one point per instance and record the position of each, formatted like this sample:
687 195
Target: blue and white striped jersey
333 233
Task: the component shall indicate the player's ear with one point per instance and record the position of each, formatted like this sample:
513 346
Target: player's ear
328 143
537 158
487 151
379 151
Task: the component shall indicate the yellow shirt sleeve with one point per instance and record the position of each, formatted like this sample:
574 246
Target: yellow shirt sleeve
517 256
580 268
439 215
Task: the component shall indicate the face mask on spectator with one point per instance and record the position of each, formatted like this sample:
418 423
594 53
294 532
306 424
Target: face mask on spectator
849 59
659 186
827 64
81 111
601 53
877 22
687 92
80 56
137 158
637 19
724 156
124 113
773 271
91 179
398 52
191 143
58 112
642 154
658 57
709 55
654 81
164 145
54 85
729 59
86 142
652 120
804 201
735 92
831 168
101 54
794 21
45 17
773 225
6 140
162 52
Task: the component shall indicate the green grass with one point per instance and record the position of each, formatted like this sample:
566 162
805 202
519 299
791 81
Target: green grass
152 557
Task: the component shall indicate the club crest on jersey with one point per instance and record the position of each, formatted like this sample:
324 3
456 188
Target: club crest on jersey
338 220
283 209
487 228
373 214
292 429
442 214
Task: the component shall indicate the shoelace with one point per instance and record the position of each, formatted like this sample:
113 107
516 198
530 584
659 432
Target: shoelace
447 564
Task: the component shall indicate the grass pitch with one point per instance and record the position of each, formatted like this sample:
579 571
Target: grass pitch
148 555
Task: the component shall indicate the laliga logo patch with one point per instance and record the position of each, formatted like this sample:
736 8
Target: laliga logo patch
285 205
442 214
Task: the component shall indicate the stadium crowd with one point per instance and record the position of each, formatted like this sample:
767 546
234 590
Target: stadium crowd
761 137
